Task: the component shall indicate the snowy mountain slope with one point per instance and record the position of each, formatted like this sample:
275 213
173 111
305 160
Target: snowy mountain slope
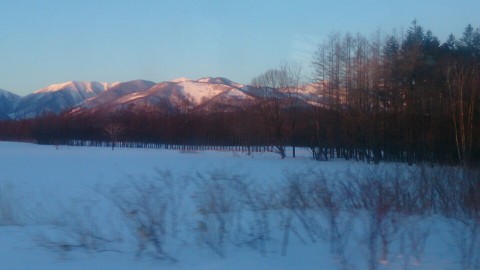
205 94
314 94
81 88
179 94
57 97
8 101
205 89
117 91
228 100
220 80
165 94
9 96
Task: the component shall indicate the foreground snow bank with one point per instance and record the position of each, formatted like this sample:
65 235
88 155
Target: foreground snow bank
87 208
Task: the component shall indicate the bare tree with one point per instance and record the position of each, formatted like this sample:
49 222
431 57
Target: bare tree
276 95
290 85
114 130
462 90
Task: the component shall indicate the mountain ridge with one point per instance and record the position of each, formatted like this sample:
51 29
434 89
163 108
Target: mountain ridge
204 94
56 98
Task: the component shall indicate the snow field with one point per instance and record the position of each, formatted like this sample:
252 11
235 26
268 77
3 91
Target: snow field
94 208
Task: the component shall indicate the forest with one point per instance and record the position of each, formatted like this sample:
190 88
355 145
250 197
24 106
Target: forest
403 97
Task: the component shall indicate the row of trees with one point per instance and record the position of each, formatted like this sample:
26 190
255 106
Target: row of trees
403 93
399 98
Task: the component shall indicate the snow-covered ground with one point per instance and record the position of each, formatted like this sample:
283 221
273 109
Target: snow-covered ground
94 208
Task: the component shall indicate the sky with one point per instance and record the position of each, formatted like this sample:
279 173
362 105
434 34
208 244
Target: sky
44 42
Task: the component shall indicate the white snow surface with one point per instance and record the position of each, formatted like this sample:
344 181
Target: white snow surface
198 92
86 87
205 89
181 79
48 187
237 94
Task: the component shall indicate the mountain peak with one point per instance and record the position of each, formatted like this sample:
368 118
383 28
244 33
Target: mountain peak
8 94
57 97
220 80
215 80
54 87
85 86
180 80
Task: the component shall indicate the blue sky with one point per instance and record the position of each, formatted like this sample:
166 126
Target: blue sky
53 41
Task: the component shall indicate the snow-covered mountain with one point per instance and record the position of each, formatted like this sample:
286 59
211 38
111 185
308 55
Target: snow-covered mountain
205 94
8 101
117 91
177 95
57 97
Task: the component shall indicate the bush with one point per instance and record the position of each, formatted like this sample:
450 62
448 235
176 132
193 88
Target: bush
9 206
151 209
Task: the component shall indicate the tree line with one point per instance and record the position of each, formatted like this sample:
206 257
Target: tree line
403 97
